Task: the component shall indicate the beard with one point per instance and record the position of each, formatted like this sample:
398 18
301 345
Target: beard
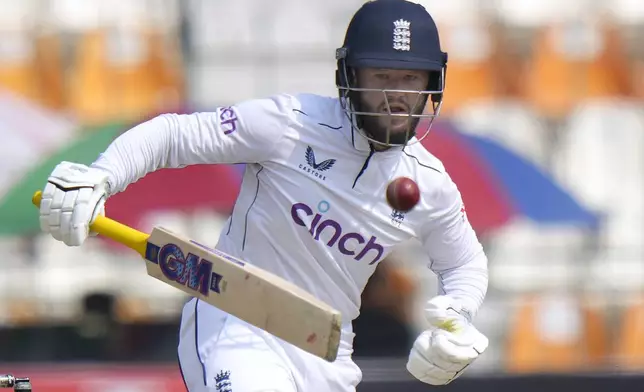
380 129
390 130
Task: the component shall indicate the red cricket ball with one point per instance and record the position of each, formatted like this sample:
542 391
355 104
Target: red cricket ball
403 194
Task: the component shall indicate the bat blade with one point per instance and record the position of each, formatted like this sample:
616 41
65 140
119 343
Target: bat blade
258 297
249 293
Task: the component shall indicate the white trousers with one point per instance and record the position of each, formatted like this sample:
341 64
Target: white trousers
220 353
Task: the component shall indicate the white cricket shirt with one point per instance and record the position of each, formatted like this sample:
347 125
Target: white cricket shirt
312 205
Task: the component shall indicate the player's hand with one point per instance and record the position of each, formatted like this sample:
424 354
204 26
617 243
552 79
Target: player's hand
440 354
73 197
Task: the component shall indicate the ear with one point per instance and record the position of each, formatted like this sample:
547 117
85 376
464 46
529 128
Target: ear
352 74
437 83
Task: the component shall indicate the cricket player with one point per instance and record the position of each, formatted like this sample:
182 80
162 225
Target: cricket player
312 206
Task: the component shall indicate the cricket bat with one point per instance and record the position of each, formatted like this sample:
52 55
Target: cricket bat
249 293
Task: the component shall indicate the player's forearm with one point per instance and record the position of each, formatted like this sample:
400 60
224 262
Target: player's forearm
467 283
166 141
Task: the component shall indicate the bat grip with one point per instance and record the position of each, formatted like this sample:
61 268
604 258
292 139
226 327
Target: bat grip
113 230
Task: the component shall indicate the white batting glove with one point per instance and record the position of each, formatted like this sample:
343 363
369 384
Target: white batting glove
440 354
73 197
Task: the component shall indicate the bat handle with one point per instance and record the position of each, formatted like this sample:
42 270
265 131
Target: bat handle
113 230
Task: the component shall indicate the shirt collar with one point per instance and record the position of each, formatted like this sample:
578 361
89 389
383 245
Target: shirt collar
350 130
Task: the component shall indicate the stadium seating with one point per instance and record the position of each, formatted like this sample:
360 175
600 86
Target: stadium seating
572 62
628 351
559 82
555 333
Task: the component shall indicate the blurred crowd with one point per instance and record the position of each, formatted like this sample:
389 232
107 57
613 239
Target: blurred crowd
561 83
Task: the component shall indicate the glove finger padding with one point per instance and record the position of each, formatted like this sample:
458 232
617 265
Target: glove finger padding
435 347
66 211
448 352
424 370
472 343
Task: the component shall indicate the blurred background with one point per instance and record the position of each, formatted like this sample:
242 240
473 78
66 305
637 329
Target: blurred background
542 128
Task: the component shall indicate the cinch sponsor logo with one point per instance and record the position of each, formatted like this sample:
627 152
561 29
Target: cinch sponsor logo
228 119
350 244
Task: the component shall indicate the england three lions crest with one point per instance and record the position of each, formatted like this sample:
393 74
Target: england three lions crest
222 380
402 35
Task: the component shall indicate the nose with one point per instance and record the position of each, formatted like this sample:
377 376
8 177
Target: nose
393 96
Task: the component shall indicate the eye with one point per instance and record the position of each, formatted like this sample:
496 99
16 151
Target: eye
411 78
382 76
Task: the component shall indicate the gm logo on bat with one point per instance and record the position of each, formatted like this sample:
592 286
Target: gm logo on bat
189 270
